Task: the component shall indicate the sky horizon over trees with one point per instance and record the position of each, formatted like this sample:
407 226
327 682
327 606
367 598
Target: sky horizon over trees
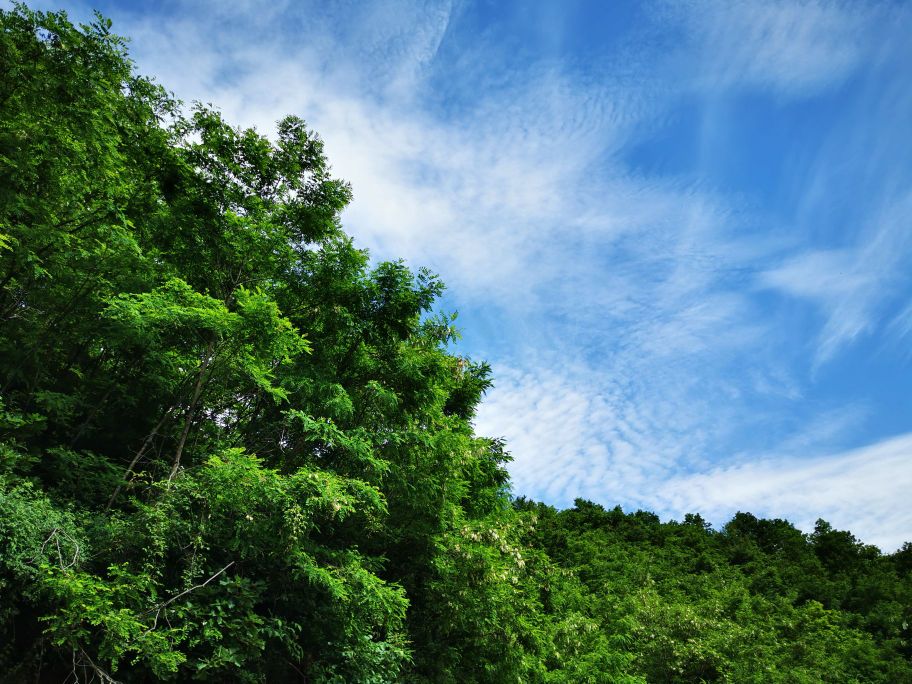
692 294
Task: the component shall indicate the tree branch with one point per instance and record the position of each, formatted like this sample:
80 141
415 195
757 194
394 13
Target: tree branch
161 606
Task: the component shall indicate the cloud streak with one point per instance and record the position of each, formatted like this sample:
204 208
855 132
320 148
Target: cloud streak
832 487
792 49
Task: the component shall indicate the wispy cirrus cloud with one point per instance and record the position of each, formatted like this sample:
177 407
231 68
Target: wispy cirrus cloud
793 49
852 285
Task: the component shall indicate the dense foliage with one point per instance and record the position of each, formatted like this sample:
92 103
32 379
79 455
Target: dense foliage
757 601
233 449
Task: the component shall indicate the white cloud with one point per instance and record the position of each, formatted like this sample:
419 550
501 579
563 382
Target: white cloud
617 441
479 197
851 286
865 490
901 324
610 434
791 48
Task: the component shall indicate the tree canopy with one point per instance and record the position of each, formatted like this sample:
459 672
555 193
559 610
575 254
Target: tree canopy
234 448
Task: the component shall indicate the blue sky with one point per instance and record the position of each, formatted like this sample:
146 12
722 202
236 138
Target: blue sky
679 231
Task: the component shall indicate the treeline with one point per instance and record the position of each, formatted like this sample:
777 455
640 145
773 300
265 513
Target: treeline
233 450
757 601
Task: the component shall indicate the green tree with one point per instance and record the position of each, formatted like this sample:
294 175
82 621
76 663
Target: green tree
257 441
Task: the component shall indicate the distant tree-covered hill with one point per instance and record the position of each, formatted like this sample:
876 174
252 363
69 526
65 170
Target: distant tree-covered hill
231 449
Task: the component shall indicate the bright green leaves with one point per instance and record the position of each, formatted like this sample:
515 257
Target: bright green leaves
187 329
228 563
239 487
687 604
320 441
107 612
208 357
63 115
242 211
283 529
502 611
33 532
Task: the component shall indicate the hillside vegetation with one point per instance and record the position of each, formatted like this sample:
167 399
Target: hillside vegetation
234 449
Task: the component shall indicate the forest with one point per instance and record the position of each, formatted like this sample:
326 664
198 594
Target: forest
235 448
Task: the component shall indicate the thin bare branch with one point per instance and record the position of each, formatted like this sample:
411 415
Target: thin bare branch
164 604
